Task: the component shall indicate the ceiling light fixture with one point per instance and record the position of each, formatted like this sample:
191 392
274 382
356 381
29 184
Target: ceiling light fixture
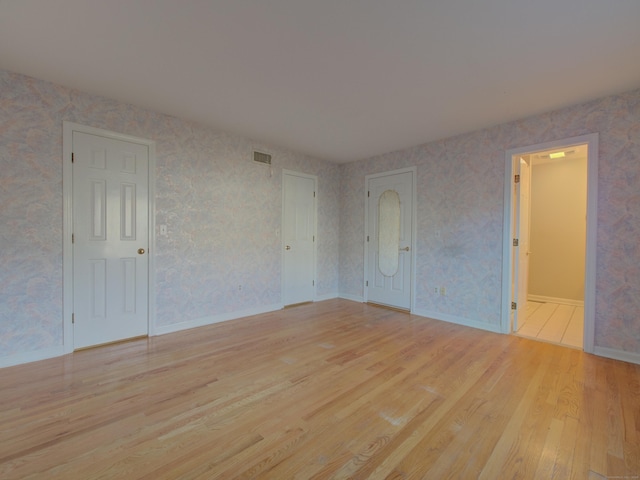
556 155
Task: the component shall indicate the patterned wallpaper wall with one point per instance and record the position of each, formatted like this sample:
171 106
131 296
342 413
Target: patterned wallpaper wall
222 212
460 215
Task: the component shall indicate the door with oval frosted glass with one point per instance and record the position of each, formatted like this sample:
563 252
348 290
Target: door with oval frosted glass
389 239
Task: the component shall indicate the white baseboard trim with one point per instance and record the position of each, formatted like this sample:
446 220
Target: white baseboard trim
458 320
328 296
27 357
561 301
617 354
223 317
353 298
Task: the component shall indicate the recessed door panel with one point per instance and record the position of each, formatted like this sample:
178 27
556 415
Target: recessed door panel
128 211
98 221
98 292
129 284
128 162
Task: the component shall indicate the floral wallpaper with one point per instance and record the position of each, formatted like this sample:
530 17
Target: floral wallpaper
460 215
222 214
221 210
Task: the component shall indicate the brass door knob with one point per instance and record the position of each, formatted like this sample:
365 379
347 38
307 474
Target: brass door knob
288 247
141 251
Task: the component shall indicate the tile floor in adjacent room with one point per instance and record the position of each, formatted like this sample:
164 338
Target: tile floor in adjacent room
555 323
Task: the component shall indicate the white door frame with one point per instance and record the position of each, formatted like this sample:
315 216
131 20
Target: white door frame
518 314
315 231
591 237
67 224
414 223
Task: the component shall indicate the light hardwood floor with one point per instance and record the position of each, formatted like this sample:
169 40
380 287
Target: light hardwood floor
553 322
334 389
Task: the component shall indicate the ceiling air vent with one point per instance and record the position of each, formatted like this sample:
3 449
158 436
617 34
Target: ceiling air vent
261 157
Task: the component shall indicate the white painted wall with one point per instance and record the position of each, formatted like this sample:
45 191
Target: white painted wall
558 229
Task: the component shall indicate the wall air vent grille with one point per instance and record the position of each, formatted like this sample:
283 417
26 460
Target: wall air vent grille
261 157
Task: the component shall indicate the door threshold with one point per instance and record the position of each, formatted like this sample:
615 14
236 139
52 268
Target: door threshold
124 340
298 304
389 307
536 339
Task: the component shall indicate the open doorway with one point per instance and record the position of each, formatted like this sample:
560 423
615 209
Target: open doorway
551 232
550 242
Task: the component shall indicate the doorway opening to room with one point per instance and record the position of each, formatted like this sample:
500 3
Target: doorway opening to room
551 227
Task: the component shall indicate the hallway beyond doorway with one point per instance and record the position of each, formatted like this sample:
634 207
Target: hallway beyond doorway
512 288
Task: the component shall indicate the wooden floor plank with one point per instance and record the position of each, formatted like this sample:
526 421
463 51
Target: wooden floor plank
334 389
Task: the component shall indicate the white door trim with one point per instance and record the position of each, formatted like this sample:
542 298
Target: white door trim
314 178
67 225
591 238
414 221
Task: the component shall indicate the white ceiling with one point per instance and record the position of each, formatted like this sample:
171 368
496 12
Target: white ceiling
335 79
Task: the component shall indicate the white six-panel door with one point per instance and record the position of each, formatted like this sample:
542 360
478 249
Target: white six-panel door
298 235
110 239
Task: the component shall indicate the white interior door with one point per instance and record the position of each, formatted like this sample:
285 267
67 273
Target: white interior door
298 227
522 209
389 276
110 239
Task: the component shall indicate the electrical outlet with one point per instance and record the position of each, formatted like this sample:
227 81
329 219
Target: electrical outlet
435 290
443 291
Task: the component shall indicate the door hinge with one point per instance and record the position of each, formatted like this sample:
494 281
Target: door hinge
368 194
72 158
313 283
366 284
516 242
314 238
73 318
367 238
314 194
517 179
73 238
514 305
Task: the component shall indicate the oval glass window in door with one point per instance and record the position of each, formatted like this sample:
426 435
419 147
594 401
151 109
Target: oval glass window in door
388 232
